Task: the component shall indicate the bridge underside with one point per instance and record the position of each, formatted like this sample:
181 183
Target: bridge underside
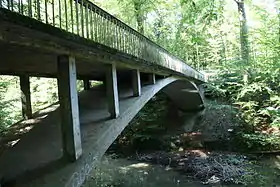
38 153
79 128
32 52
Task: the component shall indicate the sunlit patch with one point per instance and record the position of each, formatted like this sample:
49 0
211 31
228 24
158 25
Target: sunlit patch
13 143
277 164
26 129
42 117
134 166
198 153
139 165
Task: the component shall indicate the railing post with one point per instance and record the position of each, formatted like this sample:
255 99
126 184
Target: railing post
152 78
136 83
25 97
69 109
112 91
86 84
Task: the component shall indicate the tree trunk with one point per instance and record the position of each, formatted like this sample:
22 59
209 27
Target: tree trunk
244 41
139 15
278 25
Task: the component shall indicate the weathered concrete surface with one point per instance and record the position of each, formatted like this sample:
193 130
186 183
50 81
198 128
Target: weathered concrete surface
186 95
42 145
38 45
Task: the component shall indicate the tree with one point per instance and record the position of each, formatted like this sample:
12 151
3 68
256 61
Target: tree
244 41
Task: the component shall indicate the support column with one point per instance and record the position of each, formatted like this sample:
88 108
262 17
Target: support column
152 78
136 83
112 91
25 97
69 108
86 84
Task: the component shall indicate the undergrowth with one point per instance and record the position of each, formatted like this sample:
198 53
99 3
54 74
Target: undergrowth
258 103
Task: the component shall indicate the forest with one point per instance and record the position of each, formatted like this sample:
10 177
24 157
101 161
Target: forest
236 43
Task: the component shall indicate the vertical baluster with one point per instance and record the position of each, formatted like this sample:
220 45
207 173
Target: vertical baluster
98 22
125 39
77 16
71 15
119 36
104 29
107 37
110 32
137 45
115 36
30 8
18 6
82 18
91 22
46 9
95 24
113 33
66 16
12 4
59 14
101 28
53 16
8 4
87 22
128 41
141 47
122 38
38 10
21 7
133 44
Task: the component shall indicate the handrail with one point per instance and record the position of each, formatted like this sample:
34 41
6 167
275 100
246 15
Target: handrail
83 18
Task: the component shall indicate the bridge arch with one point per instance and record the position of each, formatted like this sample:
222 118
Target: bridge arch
97 130
189 94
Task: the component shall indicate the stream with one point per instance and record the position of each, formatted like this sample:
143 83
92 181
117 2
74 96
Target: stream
119 172
199 130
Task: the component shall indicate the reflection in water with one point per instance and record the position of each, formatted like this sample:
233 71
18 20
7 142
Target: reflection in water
126 173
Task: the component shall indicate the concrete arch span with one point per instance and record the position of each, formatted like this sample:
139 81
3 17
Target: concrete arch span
37 153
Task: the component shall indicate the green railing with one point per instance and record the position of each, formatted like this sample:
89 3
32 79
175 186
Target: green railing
83 18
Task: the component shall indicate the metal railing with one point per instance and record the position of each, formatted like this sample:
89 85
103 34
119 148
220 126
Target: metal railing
83 18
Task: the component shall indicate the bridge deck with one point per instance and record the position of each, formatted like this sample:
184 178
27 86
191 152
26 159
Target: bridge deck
41 147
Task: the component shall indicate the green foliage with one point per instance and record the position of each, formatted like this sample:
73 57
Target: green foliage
146 128
9 102
258 103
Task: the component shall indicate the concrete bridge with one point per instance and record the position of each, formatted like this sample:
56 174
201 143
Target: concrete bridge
70 40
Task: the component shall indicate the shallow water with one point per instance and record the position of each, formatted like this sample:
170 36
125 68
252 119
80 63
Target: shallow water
119 172
126 173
